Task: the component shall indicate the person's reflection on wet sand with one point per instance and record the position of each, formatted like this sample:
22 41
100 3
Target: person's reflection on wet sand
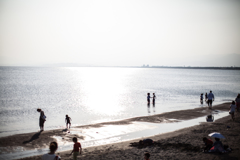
154 107
148 106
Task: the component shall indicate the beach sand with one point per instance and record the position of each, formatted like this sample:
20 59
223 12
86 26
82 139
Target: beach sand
182 144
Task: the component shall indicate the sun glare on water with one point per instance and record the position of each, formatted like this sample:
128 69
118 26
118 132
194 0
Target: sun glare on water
104 89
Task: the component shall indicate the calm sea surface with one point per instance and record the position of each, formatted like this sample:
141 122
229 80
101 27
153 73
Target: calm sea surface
92 95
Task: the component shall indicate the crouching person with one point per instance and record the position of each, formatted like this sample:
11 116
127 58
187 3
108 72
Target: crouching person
208 144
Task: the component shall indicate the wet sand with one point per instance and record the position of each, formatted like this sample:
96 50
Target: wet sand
182 144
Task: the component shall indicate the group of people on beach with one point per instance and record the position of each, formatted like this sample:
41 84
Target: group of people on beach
153 98
77 149
209 98
217 146
42 120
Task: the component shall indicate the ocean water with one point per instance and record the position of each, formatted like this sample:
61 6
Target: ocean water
91 95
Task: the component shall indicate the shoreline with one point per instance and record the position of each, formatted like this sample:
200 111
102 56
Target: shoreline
42 140
181 144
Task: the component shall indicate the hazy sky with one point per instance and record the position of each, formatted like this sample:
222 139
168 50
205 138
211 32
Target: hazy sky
120 32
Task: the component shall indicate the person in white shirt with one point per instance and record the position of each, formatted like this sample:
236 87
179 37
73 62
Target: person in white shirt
232 109
51 155
210 99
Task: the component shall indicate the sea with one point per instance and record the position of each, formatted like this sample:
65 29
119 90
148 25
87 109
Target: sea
92 95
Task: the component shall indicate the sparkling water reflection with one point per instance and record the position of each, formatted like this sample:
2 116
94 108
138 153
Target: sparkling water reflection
92 95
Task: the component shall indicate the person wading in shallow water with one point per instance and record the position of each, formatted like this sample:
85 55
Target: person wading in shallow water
68 121
210 99
206 97
201 98
148 98
42 119
154 97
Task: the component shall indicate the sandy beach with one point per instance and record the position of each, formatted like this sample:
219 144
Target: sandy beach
181 144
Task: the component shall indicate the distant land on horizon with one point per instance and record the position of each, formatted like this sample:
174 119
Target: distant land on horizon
144 66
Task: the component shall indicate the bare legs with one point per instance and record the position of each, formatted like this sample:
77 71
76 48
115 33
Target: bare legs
68 124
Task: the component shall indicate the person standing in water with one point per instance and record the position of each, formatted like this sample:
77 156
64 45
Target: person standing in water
210 99
201 98
153 98
42 119
148 98
67 120
206 97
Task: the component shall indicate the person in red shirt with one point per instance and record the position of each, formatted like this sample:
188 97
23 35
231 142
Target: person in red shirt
77 149
208 144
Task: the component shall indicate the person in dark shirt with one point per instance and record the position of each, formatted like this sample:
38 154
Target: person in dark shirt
68 121
206 97
42 119
218 146
148 98
154 97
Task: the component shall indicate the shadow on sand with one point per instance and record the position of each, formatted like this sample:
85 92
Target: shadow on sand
34 137
65 130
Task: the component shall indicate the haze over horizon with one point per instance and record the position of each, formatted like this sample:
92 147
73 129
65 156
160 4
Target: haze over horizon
120 33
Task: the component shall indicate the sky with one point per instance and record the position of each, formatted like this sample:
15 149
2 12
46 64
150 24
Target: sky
120 32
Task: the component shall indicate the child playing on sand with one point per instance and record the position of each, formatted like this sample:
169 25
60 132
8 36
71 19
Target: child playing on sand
76 149
146 156
51 155
232 109
208 144
67 120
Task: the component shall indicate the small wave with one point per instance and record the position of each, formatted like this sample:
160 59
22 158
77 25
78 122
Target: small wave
227 100
8 131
